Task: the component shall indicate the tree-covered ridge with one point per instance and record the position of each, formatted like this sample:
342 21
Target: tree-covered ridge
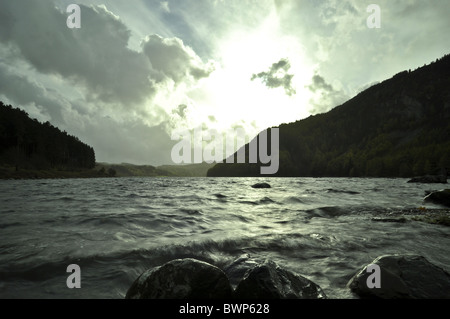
397 128
27 143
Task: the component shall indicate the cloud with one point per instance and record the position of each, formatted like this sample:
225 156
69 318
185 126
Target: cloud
277 76
21 90
180 111
164 5
174 60
337 39
133 142
96 55
319 83
367 86
326 96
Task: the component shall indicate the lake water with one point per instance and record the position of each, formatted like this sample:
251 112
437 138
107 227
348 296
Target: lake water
116 228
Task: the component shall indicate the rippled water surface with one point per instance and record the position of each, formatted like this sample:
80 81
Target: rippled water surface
114 229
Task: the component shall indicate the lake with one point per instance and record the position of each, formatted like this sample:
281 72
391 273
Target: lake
115 228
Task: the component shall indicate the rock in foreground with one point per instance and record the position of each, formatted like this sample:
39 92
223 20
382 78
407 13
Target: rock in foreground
269 281
181 279
439 197
238 268
403 277
193 279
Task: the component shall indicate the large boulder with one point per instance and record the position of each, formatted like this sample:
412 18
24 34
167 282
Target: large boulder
181 279
403 277
269 281
237 269
439 197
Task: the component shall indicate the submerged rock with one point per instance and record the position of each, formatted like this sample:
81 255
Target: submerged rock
220 195
403 277
181 279
439 197
429 179
332 190
269 281
261 185
390 219
440 177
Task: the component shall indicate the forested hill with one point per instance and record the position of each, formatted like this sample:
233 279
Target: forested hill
28 144
397 128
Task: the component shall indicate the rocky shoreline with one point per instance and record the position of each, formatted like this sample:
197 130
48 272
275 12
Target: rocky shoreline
386 277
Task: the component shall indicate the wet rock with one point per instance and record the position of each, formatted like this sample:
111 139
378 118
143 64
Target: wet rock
261 185
269 281
238 268
181 279
389 219
439 197
332 190
403 277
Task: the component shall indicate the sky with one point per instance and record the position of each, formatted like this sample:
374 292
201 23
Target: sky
137 72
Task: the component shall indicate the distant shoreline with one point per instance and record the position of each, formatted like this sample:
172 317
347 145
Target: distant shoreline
10 173
104 170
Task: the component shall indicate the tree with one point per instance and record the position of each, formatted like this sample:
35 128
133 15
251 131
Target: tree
34 142
112 172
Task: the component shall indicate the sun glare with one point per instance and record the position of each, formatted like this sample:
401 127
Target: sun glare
232 97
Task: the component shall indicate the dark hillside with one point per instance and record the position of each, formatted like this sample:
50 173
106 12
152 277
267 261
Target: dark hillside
28 144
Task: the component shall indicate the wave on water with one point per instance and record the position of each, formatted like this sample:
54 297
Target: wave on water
266 200
212 251
328 211
294 200
191 212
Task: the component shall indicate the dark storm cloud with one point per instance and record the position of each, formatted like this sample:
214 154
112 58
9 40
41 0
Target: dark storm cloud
277 76
95 55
